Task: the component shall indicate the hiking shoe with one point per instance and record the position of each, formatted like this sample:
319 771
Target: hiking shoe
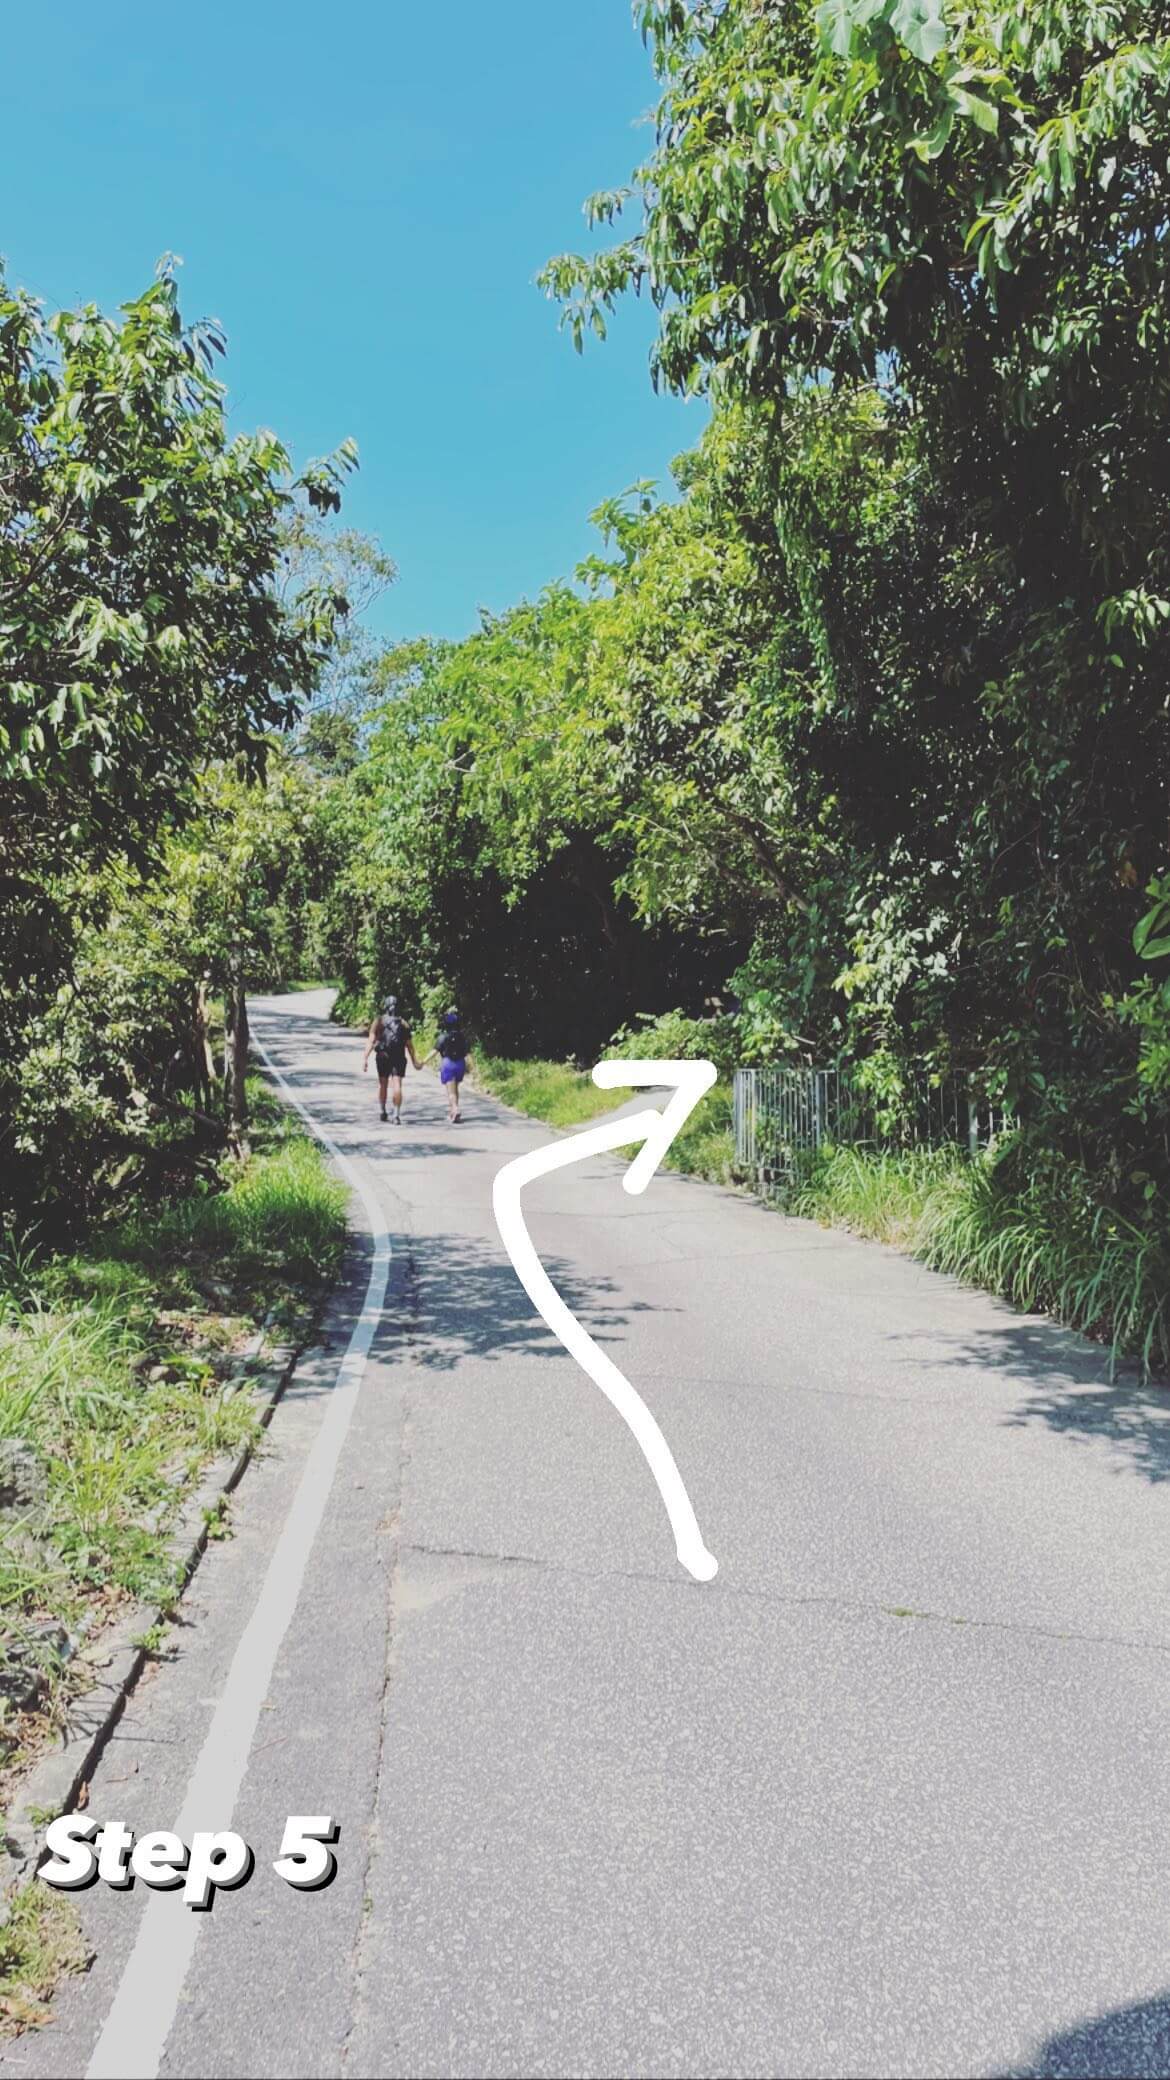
385 1114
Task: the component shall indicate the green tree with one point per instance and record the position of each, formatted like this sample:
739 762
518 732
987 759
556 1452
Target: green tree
141 631
146 623
115 1084
961 215
478 830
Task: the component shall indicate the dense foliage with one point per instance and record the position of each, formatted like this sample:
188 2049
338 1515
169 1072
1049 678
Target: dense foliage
478 840
929 248
159 617
874 714
858 740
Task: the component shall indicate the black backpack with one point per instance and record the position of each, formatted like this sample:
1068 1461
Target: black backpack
392 1038
452 1045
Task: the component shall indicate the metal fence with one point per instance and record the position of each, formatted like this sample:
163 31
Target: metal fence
782 1114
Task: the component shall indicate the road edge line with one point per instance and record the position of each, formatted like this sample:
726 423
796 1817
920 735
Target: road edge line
132 2040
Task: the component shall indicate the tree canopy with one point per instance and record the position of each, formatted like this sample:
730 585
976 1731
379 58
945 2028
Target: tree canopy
859 732
148 628
897 228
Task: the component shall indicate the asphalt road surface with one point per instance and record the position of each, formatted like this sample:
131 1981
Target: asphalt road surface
891 1795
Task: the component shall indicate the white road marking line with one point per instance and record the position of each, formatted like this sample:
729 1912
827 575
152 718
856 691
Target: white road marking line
656 1130
136 2029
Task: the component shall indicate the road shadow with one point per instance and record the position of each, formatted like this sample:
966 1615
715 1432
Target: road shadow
453 1296
272 1027
467 1302
1126 2044
345 1102
450 1298
1066 1388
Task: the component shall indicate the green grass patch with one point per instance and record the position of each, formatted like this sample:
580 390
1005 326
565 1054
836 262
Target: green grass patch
116 1390
566 1096
39 1943
282 1211
1027 1225
706 1145
554 1091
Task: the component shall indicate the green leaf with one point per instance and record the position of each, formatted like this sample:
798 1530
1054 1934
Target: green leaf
935 142
839 20
920 25
835 26
982 113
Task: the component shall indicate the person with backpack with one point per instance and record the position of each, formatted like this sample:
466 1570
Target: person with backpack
390 1041
451 1047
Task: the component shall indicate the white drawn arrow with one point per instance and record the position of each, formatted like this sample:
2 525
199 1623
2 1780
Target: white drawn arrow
655 1130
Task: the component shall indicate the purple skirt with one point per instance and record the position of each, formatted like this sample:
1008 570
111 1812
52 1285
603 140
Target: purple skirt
452 1072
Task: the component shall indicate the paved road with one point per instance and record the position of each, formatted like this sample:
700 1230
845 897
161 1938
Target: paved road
889 1796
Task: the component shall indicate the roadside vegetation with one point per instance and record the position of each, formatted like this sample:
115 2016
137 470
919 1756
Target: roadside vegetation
558 1092
40 1943
566 1096
116 1389
172 596
122 1375
1036 1234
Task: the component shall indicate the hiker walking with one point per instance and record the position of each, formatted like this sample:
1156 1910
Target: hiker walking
390 1041
451 1047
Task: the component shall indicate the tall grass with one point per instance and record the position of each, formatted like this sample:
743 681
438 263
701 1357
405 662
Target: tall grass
706 1145
879 1193
103 1449
565 1096
282 1212
557 1092
112 1366
1027 1226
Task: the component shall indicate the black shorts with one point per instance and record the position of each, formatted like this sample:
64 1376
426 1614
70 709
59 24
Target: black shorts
390 1064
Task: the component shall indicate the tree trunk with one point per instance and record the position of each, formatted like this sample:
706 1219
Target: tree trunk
204 1063
235 1058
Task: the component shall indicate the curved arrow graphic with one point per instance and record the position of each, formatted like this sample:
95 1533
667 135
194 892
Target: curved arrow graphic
655 1130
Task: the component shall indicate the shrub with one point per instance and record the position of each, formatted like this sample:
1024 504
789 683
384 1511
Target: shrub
673 1037
1029 1225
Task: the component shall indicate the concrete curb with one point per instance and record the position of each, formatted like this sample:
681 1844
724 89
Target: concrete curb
52 1785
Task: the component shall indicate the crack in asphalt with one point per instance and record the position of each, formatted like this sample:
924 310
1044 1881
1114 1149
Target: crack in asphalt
846 1606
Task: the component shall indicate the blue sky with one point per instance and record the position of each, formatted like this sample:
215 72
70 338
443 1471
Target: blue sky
363 194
